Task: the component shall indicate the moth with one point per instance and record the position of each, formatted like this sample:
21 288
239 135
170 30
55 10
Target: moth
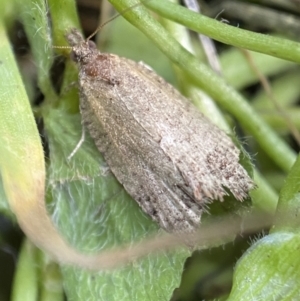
168 156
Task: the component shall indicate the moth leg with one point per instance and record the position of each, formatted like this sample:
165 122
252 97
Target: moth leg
78 145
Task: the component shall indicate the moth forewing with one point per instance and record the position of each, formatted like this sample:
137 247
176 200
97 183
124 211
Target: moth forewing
168 156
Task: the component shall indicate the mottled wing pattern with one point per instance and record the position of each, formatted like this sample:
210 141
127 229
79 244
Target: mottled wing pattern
140 165
169 157
206 157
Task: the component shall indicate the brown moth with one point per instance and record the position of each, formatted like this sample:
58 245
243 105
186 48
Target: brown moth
168 156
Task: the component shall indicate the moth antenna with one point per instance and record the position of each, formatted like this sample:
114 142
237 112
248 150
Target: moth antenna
114 17
62 47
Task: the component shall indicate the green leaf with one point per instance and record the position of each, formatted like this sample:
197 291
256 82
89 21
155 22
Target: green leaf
272 264
21 154
269 270
95 213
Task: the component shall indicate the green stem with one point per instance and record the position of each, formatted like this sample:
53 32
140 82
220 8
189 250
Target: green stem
227 34
35 20
264 197
25 286
291 187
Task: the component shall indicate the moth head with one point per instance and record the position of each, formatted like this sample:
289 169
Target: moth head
83 50
80 48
